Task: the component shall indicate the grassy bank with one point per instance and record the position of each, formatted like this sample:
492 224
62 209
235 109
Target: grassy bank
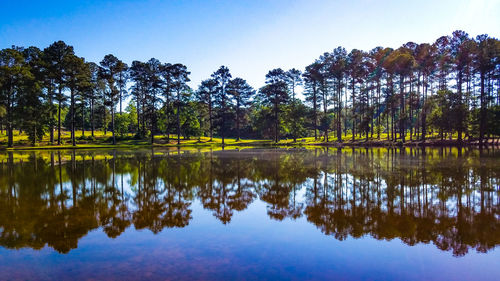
104 140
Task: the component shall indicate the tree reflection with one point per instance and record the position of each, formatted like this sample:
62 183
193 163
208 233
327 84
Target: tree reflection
448 197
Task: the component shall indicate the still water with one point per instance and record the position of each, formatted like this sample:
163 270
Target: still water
267 214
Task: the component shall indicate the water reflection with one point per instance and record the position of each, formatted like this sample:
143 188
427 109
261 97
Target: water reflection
448 197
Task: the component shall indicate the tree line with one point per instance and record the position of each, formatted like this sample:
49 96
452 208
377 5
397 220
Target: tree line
450 88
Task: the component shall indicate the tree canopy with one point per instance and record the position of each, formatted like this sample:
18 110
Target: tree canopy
448 89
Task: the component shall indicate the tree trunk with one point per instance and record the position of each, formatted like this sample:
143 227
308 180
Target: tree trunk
387 125
223 125
138 112
315 105
153 120
152 133
51 126
339 114
276 124
424 113
410 119
73 141
83 120
238 120
105 124
113 121
459 86
92 116
378 109
482 118
210 117
402 109
178 118
325 112
392 124
33 141
10 138
143 118
345 116
59 123
353 115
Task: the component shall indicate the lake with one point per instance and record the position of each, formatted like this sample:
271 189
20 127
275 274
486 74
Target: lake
256 213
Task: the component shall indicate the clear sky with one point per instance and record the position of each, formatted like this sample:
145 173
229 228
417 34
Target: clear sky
249 36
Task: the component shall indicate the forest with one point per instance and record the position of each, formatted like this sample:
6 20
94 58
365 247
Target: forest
445 90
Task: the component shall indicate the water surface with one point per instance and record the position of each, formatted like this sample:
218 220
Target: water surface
343 214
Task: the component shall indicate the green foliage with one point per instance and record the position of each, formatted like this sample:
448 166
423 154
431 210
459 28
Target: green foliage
447 114
262 121
201 113
449 85
379 129
275 95
122 123
131 111
296 116
190 125
493 126
326 121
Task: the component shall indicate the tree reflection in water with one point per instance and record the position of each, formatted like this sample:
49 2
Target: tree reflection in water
448 197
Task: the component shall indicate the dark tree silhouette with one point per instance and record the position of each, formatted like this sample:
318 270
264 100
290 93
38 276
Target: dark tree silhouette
240 93
422 93
205 94
180 87
275 94
56 58
222 76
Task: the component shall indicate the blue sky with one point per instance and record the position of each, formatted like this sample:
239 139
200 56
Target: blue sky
250 37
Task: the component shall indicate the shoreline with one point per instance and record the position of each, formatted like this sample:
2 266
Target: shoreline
427 143
267 143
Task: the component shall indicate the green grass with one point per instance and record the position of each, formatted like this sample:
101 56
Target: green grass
101 140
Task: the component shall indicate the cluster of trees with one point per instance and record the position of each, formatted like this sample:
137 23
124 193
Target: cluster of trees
451 86
56 198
